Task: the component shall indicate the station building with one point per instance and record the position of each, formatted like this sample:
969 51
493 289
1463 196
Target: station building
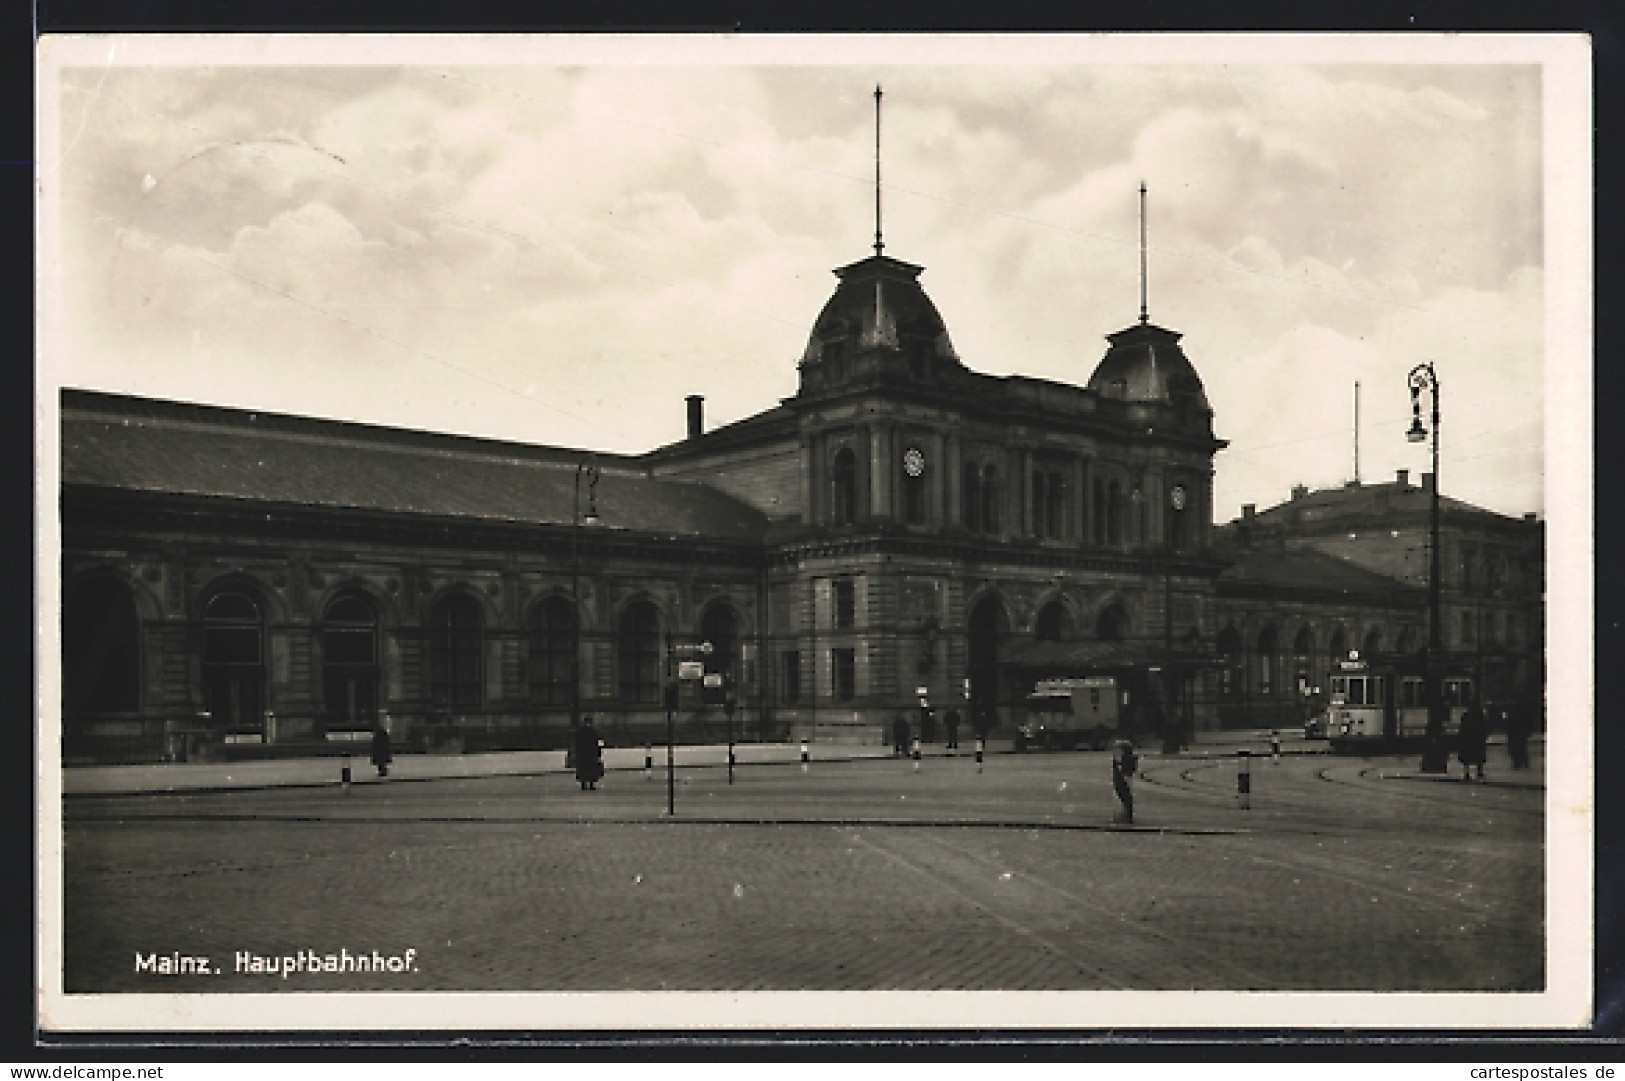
902 527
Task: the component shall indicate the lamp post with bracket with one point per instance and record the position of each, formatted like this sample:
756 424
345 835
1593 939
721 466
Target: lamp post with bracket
1434 756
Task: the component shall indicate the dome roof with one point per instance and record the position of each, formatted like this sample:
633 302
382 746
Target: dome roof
879 303
1145 364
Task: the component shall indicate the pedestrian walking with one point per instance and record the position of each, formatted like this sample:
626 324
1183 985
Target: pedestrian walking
1125 763
928 724
1473 736
951 722
381 758
589 755
899 735
1520 725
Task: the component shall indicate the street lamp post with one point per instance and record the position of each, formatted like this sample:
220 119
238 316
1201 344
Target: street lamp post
590 472
1434 759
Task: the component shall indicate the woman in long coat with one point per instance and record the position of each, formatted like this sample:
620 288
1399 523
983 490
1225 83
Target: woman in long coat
1474 736
381 758
589 756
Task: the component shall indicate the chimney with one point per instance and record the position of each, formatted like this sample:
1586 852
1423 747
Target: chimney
1248 511
1402 478
1299 491
1427 482
696 415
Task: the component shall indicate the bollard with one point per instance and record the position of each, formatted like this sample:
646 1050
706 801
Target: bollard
803 756
916 754
344 775
1244 780
1275 747
980 743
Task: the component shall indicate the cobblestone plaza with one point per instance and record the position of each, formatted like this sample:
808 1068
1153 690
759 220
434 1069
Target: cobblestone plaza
1344 874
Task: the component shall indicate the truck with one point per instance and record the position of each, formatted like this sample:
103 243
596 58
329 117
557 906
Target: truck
1071 712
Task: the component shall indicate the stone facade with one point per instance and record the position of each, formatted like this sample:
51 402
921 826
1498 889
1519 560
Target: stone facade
903 525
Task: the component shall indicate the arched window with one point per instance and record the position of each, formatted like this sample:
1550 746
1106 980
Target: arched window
988 625
720 627
638 651
1303 648
1268 649
1040 503
1407 640
1231 682
1055 515
1338 649
553 652
349 664
1112 624
1373 643
843 479
992 496
456 653
973 497
1054 623
1114 513
101 649
234 663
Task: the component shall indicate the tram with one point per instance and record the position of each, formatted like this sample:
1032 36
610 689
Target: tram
1376 702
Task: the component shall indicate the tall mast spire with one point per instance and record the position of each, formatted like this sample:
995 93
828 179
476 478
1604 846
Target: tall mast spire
879 244
1143 315
1356 431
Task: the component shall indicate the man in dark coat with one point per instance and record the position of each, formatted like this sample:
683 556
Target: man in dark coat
589 755
1124 765
951 721
381 757
1473 736
899 735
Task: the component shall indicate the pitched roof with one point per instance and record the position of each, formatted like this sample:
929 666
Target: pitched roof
133 444
1304 568
1362 501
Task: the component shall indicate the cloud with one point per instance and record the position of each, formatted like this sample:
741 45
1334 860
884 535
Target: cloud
562 254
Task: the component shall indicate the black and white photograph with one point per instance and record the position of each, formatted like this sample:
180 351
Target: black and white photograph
902 531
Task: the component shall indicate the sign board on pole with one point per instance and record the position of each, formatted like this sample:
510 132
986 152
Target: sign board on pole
712 679
690 669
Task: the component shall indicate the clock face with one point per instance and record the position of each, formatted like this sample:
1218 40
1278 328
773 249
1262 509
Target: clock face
913 461
1178 497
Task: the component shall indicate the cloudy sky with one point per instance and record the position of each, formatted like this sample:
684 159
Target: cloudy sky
556 243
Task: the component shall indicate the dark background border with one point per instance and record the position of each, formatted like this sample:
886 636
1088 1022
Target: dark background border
19 1037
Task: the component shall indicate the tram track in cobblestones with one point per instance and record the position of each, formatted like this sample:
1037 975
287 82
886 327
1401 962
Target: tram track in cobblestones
1140 940
881 878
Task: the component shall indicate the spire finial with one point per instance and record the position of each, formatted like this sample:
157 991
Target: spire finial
879 244
1143 315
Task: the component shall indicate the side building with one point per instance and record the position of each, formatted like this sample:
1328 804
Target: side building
1346 569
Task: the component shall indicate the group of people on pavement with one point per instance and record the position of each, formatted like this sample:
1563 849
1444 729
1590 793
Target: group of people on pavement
1473 737
901 735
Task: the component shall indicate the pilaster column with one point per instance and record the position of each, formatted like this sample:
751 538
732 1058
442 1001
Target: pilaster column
1024 492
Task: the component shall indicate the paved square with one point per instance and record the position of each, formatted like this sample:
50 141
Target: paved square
857 875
